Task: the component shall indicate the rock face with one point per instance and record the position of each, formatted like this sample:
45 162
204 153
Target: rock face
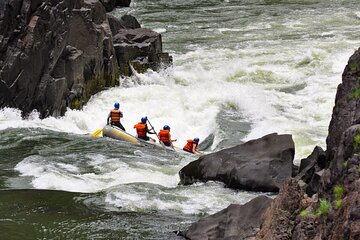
234 222
322 201
346 111
57 54
259 165
332 179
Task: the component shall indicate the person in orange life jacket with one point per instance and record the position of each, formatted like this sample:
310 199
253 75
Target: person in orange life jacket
165 136
192 146
115 115
142 130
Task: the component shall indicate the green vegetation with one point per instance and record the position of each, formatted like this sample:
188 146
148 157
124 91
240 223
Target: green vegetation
356 141
304 213
346 164
75 104
355 93
339 191
323 208
338 204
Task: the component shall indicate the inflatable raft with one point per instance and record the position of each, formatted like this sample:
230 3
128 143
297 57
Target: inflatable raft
118 134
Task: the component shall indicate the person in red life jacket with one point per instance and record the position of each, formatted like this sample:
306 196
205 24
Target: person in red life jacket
115 115
142 130
192 146
165 137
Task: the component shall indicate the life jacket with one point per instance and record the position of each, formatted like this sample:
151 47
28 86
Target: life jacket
141 129
189 145
164 135
115 115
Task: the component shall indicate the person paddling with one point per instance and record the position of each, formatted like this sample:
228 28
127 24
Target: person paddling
115 115
192 146
142 130
165 136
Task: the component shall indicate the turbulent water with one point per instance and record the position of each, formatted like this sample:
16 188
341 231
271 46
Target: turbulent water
242 69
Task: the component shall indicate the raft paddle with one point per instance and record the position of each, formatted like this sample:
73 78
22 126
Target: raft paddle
97 133
162 144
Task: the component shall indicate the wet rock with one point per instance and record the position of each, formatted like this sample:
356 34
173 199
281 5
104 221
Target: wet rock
52 50
143 46
310 169
57 54
263 164
340 219
278 220
234 222
125 22
111 4
346 111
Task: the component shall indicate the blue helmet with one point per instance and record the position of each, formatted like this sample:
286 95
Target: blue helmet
117 105
166 127
196 139
144 119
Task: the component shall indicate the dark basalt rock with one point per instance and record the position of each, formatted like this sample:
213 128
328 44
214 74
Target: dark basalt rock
263 164
57 54
310 169
321 173
111 4
234 222
143 46
125 22
346 111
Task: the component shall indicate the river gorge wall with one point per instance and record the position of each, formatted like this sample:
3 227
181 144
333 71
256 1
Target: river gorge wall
321 200
57 54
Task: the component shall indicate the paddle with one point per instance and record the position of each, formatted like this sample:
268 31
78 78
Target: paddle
97 133
154 131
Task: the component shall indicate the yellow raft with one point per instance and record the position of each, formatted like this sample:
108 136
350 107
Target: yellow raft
118 134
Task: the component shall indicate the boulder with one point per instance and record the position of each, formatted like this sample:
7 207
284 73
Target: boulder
263 164
125 22
310 169
234 222
111 4
143 47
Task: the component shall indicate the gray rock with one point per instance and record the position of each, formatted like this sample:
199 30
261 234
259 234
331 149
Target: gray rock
143 46
52 50
263 164
346 111
234 222
57 54
125 22
308 168
111 4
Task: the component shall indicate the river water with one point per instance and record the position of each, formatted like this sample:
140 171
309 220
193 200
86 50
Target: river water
242 69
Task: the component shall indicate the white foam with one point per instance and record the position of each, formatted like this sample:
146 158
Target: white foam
196 199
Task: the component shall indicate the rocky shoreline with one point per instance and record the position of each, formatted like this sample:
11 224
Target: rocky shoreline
57 54
320 201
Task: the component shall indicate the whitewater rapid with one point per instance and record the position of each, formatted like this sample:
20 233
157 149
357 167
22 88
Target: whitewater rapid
272 97
273 65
